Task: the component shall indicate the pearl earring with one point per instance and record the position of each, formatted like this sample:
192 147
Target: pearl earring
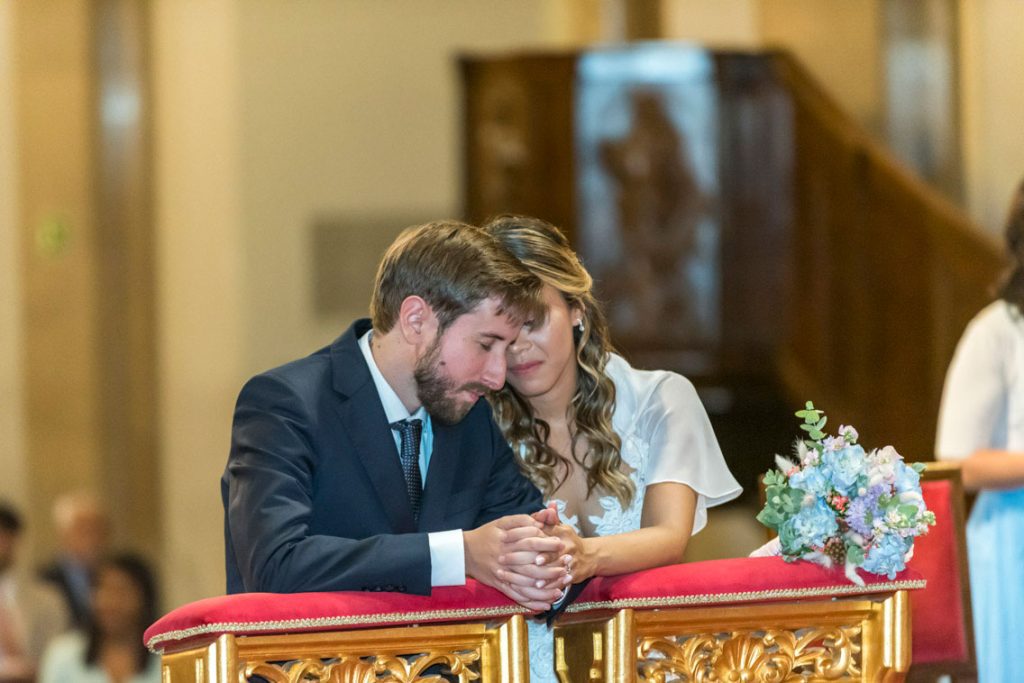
579 325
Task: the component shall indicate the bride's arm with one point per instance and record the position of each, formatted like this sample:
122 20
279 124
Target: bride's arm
665 526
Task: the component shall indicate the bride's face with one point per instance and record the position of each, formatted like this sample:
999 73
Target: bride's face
543 356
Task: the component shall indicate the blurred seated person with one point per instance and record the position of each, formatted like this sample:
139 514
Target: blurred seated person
981 423
82 532
110 649
31 613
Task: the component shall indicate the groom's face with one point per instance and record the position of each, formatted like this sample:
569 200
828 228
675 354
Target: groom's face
465 361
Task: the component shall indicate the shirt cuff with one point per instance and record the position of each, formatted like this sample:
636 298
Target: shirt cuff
447 558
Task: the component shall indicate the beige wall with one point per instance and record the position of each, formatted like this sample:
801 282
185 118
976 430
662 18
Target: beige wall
719 23
992 104
200 244
839 43
349 110
12 454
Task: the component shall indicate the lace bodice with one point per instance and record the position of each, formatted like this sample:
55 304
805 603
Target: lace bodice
666 436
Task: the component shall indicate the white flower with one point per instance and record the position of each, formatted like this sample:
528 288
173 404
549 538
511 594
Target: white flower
808 456
785 464
912 497
848 433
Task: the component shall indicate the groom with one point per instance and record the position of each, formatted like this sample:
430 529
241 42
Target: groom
373 464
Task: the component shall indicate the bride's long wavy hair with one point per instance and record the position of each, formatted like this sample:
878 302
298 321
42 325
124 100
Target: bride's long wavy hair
545 251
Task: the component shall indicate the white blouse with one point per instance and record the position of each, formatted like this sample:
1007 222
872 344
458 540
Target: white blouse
983 398
666 437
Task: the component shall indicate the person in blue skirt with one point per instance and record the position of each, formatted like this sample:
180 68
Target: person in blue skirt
981 423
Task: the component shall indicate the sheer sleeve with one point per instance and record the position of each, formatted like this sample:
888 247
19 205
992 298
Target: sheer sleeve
683 447
973 412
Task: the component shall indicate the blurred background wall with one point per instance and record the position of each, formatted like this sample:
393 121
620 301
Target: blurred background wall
282 146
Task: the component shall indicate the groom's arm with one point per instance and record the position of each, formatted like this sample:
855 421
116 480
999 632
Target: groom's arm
267 492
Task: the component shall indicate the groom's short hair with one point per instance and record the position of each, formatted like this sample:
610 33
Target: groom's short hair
453 266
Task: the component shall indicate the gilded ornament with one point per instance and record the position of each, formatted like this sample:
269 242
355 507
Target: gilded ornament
376 669
764 656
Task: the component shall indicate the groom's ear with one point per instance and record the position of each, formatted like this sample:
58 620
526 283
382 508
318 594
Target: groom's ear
416 321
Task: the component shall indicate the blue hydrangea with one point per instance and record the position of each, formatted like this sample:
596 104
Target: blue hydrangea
907 479
808 528
845 468
810 479
886 555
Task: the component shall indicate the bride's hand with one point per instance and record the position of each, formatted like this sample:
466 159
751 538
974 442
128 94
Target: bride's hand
576 555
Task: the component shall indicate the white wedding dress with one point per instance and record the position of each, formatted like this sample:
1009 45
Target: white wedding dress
666 437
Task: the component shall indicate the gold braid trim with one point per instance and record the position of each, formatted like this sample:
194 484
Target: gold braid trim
156 642
746 596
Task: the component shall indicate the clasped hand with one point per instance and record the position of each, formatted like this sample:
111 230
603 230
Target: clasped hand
519 556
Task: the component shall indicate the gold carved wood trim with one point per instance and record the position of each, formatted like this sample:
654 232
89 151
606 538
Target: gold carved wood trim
821 640
478 651
844 589
828 654
157 643
374 669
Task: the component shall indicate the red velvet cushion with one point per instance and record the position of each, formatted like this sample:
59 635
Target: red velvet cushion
720 582
256 613
938 611
698 583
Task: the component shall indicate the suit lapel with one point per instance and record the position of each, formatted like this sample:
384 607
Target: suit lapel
444 468
362 416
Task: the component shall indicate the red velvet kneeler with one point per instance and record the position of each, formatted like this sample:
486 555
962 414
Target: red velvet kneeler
717 582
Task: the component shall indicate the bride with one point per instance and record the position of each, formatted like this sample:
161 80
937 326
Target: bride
626 458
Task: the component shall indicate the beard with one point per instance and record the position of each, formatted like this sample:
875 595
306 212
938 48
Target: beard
437 391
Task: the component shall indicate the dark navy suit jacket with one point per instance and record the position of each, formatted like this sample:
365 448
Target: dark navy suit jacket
314 498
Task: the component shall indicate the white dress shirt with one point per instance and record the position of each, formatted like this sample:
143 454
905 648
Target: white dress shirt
447 553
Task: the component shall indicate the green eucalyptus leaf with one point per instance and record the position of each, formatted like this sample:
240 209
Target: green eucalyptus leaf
908 511
770 518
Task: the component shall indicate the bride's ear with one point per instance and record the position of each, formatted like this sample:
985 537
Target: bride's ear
576 315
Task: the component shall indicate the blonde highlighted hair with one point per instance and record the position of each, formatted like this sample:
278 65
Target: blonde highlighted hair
545 251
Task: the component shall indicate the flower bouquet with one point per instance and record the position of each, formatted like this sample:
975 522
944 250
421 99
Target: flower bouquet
841 505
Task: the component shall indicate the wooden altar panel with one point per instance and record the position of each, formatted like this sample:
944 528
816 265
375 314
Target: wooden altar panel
518 132
742 229
670 168
648 190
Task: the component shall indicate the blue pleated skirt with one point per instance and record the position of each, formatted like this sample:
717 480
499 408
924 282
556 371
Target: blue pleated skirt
995 540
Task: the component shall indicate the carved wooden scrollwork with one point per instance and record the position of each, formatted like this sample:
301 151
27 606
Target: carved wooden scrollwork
764 656
420 668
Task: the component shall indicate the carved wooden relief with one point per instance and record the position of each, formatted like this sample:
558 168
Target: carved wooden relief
764 656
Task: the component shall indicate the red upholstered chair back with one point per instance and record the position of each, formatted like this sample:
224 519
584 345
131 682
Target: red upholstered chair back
943 635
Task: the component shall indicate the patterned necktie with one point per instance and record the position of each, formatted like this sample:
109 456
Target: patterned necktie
410 454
